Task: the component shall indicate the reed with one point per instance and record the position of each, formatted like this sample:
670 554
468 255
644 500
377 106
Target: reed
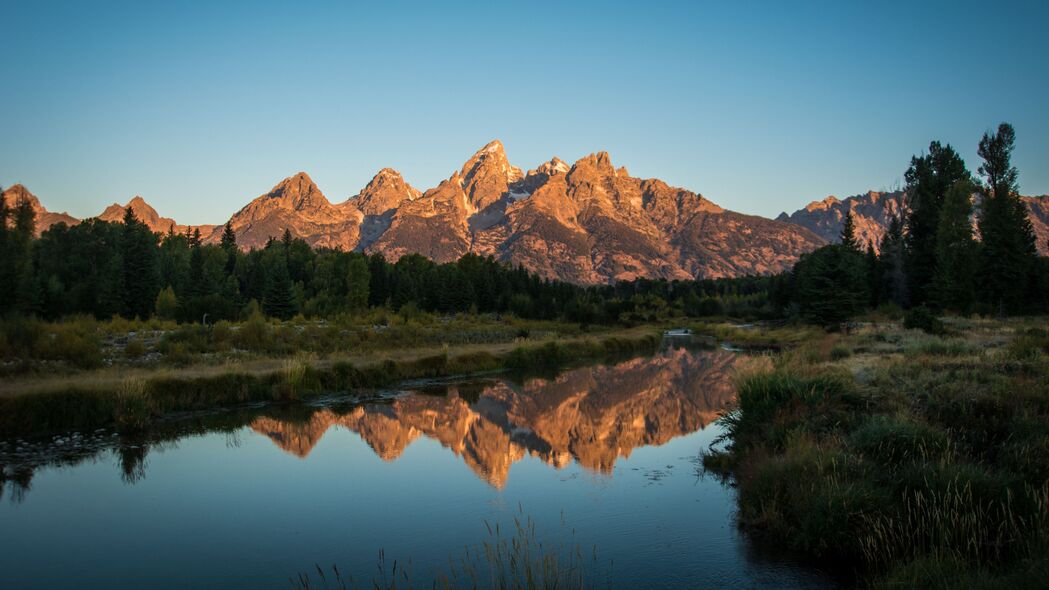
517 557
921 465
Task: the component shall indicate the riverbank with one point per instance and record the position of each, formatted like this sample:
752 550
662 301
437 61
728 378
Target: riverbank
910 459
130 397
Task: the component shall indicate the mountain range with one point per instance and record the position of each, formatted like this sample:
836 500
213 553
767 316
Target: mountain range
588 222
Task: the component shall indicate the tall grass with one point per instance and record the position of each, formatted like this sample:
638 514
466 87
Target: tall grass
132 407
132 404
926 469
518 559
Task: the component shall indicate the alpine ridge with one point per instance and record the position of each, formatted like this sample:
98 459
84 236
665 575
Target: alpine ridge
872 212
588 222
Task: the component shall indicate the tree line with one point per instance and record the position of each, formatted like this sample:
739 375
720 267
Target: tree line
124 269
932 256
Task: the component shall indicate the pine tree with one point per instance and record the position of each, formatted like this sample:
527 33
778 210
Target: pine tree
141 275
848 233
891 260
358 277
1008 250
928 180
956 251
875 283
26 293
229 245
279 300
7 258
229 238
831 284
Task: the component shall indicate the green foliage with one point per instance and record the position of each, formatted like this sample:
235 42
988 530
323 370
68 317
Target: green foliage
848 233
279 300
929 178
140 271
1008 253
831 284
931 471
892 441
954 283
922 318
1029 345
166 304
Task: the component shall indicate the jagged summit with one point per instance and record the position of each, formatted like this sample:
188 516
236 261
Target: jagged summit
298 192
826 203
486 177
589 222
143 211
554 166
386 191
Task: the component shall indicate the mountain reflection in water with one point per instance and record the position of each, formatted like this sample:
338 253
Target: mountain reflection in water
593 415
605 459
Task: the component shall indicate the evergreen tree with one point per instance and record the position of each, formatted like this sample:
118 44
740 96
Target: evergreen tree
7 258
379 281
928 180
831 284
229 244
891 259
1008 250
140 270
848 233
875 282
358 278
26 292
280 299
229 238
956 251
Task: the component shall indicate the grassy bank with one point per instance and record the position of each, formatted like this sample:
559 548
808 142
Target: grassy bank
917 461
131 398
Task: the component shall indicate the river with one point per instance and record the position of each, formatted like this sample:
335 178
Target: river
604 461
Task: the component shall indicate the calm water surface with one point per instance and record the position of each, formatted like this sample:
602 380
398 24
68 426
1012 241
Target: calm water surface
248 499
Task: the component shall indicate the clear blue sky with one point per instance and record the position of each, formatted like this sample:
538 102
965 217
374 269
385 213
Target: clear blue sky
760 107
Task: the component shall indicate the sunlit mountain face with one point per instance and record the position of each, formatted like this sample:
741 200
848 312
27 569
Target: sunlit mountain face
592 415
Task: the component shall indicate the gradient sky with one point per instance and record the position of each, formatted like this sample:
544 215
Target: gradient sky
760 107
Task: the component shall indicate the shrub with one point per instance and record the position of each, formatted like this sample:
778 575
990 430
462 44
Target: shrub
840 352
254 334
131 411
65 342
891 441
1029 345
135 348
166 304
922 318
939 347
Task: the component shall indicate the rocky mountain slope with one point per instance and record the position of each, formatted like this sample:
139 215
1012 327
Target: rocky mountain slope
44 218
1038 209
588 222
148 215
873 211
114 213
